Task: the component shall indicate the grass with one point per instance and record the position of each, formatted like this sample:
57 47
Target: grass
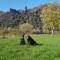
10 48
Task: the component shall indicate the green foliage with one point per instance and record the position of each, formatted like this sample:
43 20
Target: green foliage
10 48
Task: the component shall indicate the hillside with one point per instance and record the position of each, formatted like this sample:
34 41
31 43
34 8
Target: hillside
15 17
32 16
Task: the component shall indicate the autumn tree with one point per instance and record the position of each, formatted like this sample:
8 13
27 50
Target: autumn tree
50 17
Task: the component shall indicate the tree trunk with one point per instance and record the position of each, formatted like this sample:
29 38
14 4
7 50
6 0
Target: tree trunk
4 32
52 31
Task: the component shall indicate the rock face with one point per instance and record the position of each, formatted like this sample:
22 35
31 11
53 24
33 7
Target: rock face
15 17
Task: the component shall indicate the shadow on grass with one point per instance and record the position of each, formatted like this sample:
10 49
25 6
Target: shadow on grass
33 45
40 44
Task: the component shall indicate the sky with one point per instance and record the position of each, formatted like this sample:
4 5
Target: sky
5 5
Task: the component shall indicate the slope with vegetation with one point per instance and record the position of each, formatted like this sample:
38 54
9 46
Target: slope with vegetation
44 18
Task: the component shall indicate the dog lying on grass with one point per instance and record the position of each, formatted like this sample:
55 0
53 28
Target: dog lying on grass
31 41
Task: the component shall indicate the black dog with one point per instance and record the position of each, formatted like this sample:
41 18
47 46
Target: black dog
22 40
31 41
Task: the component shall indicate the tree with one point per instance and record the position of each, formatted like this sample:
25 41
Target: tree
50 16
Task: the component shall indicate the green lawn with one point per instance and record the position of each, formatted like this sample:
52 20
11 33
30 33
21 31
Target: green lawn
10 49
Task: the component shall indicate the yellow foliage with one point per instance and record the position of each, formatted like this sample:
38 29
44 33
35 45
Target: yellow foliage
26 27
51 16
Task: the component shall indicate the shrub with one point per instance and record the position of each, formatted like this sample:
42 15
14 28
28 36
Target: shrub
26 27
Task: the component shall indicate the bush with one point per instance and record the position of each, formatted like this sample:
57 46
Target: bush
26 27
